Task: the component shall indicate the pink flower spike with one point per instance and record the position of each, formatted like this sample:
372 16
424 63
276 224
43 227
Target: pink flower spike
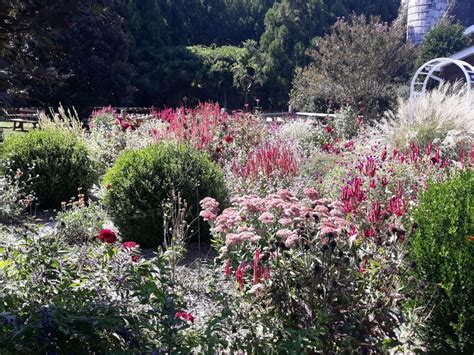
185 316
256 268
239 277
227 270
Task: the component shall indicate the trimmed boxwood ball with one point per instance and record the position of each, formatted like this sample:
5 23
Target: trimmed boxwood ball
442 249
57 161
141 181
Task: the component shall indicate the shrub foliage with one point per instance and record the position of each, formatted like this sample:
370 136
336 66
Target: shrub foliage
360 62
141 181
443 250
58 162
443 40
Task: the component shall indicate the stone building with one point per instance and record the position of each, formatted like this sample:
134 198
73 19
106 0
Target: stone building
424 14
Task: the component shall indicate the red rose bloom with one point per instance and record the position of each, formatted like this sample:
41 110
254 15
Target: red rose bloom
108 236
129 245
185 316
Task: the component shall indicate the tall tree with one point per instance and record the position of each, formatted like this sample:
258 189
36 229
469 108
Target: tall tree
27 29
291 25
360 63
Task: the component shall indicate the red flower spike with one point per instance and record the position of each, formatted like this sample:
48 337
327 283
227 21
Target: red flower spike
228 139
256 268
185 316
239 277
227 270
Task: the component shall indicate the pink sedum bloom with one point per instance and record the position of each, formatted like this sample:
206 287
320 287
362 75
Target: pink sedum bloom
285 222
292 240
266 217
312 194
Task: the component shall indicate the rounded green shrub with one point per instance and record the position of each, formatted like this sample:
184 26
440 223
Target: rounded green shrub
56 163
141 181
443 251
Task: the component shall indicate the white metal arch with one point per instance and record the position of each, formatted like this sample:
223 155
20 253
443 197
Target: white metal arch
429 70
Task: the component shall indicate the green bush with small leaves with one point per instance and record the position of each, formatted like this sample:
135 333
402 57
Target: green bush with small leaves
443 253
58 162
442 40
141 181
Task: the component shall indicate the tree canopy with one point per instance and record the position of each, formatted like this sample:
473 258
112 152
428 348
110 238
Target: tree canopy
156 52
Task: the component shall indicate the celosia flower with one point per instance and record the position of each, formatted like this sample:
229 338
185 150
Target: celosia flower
375 213
107 236
372 184
369 167
185 316
227 270
363 264
129 245
349 145
239 277
256 267
396 206
370 233
428 148
228 139
266 217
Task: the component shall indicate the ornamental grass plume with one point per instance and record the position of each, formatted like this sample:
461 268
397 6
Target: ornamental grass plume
443 117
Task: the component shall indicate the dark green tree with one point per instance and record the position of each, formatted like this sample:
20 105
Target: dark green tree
443 40
27 29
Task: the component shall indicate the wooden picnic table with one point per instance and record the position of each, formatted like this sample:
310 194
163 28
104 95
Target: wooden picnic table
18 123
21 117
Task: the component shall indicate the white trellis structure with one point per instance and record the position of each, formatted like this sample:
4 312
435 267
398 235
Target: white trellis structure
431 71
